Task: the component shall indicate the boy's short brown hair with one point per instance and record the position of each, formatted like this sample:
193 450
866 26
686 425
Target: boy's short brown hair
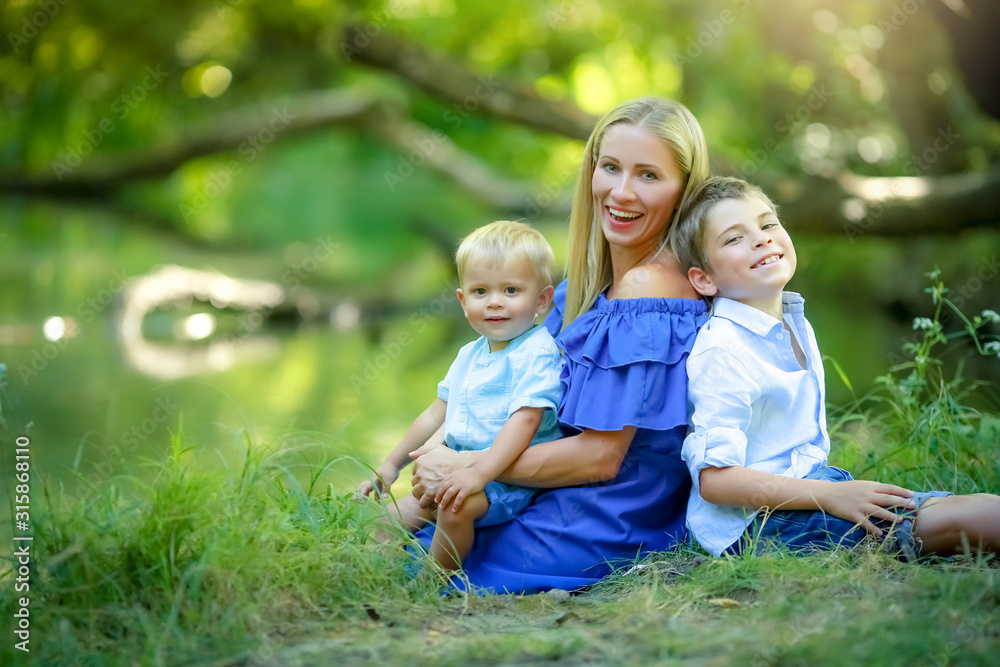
689 239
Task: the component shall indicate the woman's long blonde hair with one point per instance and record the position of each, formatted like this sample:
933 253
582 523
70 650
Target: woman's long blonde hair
589 264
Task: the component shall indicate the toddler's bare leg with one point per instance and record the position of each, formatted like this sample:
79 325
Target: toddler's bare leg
455 532
944 523
408 512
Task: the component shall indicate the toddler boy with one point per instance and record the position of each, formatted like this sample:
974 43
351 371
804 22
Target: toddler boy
500 394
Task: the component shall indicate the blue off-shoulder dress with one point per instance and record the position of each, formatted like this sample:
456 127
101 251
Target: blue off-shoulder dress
625 366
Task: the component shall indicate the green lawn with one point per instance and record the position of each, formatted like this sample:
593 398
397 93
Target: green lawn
264 564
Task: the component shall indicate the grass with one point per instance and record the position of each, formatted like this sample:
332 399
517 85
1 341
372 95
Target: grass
256 565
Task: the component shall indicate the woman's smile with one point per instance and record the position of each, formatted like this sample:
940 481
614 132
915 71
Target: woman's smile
622 216
636 187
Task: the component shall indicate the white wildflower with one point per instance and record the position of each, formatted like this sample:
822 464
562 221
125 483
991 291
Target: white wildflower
922 323
991 316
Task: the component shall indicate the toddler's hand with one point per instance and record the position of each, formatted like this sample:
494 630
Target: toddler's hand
384 477
458 486
859 501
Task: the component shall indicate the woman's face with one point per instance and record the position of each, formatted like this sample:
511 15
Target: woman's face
637 186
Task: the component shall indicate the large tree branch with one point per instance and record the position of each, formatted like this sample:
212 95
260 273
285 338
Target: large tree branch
851 204
246 131
249 131
419 145
890 206
470 92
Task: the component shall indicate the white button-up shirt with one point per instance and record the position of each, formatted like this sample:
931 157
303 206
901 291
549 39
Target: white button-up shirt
750 404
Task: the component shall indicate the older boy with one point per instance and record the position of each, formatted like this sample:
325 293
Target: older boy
757 443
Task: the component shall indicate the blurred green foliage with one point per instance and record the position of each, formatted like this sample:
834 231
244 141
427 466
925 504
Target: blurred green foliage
782 90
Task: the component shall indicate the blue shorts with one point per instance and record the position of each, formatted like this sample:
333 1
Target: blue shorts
815 530
506 502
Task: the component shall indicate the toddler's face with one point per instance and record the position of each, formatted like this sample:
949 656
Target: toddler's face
751 255
501 299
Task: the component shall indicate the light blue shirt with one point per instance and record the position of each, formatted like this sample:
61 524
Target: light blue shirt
750 404
483 389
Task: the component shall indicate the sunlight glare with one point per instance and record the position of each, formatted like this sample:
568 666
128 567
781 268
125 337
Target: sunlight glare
54 328
199 326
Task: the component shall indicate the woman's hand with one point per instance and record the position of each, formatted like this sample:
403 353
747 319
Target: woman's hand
432 463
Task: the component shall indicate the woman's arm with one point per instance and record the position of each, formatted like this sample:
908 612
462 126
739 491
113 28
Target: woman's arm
591 456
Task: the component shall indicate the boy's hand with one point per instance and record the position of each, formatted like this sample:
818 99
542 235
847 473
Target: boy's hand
385 475
458 486
860 500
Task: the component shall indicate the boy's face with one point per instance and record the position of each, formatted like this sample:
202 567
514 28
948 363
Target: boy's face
751 255
501 299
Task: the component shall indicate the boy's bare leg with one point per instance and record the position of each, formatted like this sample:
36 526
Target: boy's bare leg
944 525
408 512
455 531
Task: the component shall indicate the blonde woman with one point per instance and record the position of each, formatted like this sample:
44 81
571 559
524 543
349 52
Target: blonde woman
615 487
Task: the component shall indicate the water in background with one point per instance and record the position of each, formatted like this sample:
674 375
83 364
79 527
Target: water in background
100 374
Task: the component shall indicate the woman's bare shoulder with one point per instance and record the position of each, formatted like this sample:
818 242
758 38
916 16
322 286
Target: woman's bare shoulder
661 280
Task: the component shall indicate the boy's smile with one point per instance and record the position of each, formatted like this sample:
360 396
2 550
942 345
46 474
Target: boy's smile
770 259
751 255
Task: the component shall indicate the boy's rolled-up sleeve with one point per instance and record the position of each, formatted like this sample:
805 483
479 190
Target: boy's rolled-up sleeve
721 392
